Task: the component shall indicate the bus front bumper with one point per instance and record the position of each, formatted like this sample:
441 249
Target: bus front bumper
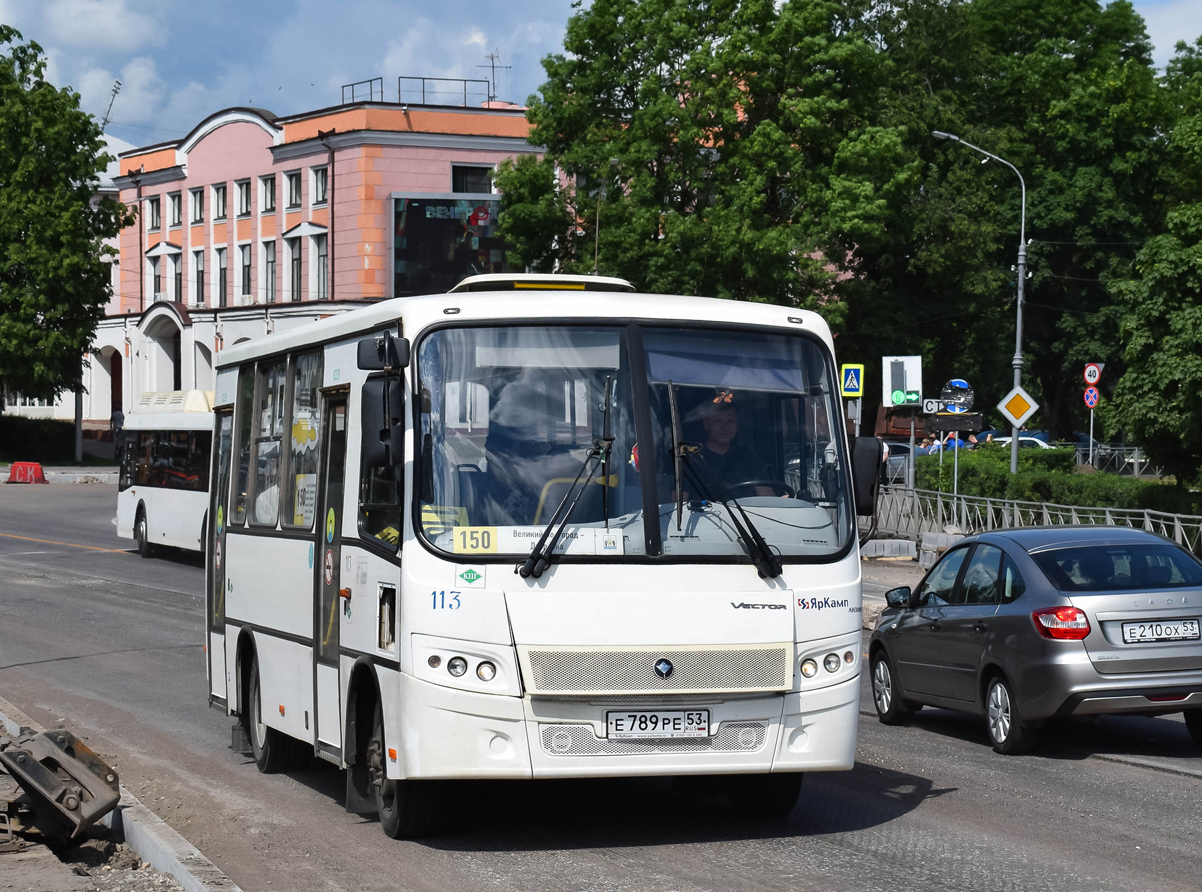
448 733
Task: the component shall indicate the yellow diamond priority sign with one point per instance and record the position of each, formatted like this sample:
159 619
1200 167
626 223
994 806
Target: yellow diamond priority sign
1017 406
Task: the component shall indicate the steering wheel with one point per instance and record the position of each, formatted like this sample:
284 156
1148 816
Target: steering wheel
745 488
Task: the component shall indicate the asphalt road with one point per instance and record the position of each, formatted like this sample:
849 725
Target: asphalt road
111 646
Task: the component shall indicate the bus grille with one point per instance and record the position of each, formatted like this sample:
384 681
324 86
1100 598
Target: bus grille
567 671
579 740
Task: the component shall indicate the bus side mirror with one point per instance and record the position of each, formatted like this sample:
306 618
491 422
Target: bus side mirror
383 351
866 457
383 427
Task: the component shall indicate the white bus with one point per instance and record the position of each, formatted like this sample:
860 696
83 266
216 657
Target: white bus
166 453
531 532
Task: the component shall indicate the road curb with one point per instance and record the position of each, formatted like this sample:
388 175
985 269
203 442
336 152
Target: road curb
145 832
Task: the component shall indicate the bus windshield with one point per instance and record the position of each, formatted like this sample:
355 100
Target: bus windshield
735 426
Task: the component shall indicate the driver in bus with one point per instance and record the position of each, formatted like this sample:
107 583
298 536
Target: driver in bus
724 464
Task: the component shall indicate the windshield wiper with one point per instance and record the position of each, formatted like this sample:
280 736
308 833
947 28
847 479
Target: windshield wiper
761 554
597 458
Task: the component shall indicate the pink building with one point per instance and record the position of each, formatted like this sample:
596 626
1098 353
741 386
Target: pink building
254 223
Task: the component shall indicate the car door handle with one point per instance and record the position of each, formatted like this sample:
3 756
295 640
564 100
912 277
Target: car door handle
936 625
980 626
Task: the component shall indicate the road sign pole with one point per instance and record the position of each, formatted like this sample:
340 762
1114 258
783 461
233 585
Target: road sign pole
1091 437
956 484
910 469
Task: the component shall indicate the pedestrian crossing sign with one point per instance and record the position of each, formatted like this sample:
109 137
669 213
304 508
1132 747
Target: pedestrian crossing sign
852 381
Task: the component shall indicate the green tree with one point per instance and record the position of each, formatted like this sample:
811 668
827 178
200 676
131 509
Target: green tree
54 265
1158 398
695 133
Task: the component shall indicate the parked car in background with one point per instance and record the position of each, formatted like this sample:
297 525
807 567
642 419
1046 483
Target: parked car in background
1026 625
1024 442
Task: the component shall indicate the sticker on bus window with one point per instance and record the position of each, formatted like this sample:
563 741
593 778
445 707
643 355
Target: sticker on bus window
438 519
305 504
475 540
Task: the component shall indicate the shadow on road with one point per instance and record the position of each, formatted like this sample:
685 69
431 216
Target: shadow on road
620 812
1136 736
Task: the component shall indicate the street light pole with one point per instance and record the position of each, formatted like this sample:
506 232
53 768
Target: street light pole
1022 275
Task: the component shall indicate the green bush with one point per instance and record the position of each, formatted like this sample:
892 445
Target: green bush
44 440
1047 475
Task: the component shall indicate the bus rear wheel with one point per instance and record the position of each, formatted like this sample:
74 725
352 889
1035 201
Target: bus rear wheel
764 795
408 809
268 747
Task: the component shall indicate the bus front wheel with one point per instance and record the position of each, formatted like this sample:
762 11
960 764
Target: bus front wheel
408 809
764 795
267 745
142 534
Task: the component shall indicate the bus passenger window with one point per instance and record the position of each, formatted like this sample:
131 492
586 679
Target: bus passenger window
301 490
269 432
246 396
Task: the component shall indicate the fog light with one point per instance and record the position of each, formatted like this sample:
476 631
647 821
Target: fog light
457 666
486 671
435 661
849 657
831 663
809 668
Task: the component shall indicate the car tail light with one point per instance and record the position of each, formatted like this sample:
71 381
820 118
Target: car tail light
1064 623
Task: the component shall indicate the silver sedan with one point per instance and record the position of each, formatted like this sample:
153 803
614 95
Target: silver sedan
1025 625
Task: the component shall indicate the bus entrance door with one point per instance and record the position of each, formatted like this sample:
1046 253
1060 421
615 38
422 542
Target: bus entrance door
327 557
214 546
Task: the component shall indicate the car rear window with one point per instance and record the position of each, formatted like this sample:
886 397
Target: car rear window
1110 568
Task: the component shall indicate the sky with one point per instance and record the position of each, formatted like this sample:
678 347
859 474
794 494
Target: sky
179 62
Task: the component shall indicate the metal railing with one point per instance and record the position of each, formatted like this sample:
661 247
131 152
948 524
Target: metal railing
1130 461
906 514
363 91
441 90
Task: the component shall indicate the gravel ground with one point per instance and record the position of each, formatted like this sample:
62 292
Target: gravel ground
115 867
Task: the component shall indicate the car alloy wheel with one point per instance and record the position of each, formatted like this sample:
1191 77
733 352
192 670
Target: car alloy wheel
1008 733
891 709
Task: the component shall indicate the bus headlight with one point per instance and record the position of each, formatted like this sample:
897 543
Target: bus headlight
809 668
831 663
457 666
486 671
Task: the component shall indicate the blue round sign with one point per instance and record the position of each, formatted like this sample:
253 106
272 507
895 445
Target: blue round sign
1091 397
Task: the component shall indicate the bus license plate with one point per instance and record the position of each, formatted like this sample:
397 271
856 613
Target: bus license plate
1163 630
658 723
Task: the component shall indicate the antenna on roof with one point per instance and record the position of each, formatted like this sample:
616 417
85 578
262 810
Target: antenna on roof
493 58
109 110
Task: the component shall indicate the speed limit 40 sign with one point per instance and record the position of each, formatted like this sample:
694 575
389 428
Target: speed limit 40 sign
1093 373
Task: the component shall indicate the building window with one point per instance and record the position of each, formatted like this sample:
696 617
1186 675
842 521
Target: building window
476 180
219 202
198 259
156 279
198 205
174 204
294 267
153 221
320 243
294 189
244 261
177 275
269 270
222 269
243 198
267 187
319 185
